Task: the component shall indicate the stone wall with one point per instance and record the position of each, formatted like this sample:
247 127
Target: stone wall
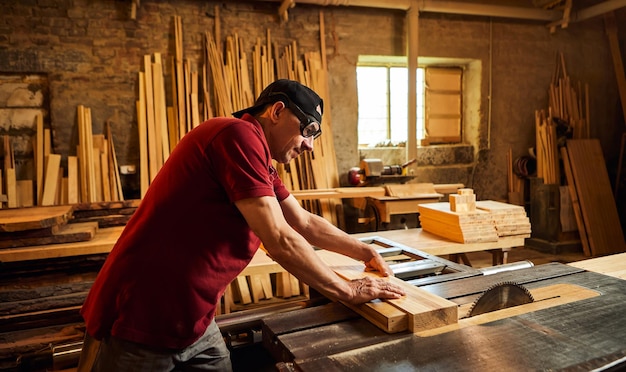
91 52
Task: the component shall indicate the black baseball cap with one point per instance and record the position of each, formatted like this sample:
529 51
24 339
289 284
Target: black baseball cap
285 90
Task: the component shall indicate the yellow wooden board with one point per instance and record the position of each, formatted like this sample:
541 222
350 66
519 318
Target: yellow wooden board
422 310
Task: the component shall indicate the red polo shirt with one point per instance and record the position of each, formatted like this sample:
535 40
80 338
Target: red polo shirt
187 240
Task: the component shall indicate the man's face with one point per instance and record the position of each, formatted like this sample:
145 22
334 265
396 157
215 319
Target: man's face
286 141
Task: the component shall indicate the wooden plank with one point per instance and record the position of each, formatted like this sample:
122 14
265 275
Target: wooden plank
150 122
9 176
422 309
69 233
571 187
242 290
25 193
102 243
595 196
144 171
160 110
52 179
19 219
72 179
39 158
115 169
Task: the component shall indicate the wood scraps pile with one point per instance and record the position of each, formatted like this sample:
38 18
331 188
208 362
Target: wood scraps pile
466 220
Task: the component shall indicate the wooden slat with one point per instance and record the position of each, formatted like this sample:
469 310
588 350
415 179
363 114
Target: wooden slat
571 188
39 158
52 179
72 179
150 121
144 170
25 193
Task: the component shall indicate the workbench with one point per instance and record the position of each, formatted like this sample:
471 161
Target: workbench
439 246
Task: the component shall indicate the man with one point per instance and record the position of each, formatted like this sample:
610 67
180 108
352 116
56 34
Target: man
202 219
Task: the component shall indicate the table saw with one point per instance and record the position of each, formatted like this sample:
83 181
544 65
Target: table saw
570 319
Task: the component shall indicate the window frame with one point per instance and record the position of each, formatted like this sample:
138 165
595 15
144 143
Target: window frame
390 62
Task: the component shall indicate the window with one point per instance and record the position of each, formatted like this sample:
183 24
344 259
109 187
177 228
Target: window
382 96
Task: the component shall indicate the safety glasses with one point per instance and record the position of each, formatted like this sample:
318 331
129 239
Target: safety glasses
309 126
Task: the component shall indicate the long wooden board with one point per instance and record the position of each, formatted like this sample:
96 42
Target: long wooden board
418 311
595 196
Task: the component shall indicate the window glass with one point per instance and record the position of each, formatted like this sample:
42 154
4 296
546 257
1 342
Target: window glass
383 98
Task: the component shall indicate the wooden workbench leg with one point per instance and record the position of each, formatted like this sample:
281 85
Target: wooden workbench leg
458 257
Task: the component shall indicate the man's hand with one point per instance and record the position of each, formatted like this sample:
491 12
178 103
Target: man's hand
368 288
378 263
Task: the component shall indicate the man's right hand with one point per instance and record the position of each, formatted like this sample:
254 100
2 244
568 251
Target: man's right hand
368 288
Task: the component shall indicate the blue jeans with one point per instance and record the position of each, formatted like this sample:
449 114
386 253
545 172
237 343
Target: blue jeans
209 353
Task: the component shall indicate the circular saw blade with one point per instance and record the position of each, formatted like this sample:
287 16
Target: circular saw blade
500 296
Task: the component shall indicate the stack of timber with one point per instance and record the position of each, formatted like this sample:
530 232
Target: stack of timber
466 220
475 226
509 219
20 227
105 214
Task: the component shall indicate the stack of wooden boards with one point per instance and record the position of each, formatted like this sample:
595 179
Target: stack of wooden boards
90 176
61 224
466 220
42 225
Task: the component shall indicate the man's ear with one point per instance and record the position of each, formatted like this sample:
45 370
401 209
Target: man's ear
276 109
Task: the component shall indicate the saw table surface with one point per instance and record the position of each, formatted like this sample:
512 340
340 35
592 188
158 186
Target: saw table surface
580 335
